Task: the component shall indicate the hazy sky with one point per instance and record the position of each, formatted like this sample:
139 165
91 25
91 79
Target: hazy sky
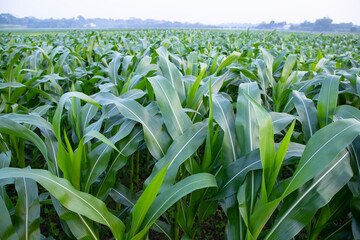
203 11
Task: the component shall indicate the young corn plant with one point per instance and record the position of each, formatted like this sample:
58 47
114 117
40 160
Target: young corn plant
135 132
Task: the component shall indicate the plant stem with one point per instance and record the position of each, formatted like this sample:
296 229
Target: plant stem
132 173
137 168
176 224
147 161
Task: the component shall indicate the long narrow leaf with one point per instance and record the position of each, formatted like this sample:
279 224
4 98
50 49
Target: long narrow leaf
296 212
27 210
7 230
74 200
328 99
175 118
307 114
167 198
225 117
156 139
146 199
247 128
321 149
179 151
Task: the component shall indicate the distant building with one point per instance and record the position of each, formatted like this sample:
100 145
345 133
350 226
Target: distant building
90 25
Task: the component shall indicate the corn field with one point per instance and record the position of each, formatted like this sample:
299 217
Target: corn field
150 134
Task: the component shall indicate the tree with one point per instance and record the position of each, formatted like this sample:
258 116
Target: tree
354 29
324 24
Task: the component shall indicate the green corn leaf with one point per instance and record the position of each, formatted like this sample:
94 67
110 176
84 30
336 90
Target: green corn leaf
216 83
5 159
11 85
213 64
225 117
280 121
123 195
355 224
100 156
87 112
195 86
156 139
269 61
266 143
180 150
278 59
346 111
59 109
146 199
90 48
61 62
77 165
208 155
7 230
144 66
169 197
66 159
141 235
246 72
102 138
192 61
162 227
279 156
34 120
228 60
321 150
358 85
235 228
206 209
247 195
127 65
302 86
114 66
283 82
328 99
298 210
63 158
335 209
46 56
51 78
247 129
321 64
13 128
307 114
234 173
175 117
170 72
76 201
127 147
80 226
260 216
340 232
27 211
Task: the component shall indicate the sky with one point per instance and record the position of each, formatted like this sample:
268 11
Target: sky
202 11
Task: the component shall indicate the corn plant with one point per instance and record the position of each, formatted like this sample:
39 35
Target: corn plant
127 133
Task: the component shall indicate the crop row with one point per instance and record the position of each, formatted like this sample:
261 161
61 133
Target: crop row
130 131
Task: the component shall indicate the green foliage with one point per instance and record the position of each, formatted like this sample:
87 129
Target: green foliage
134 132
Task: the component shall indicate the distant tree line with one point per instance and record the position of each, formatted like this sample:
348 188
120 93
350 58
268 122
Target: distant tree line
320 25
273 25
8 20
